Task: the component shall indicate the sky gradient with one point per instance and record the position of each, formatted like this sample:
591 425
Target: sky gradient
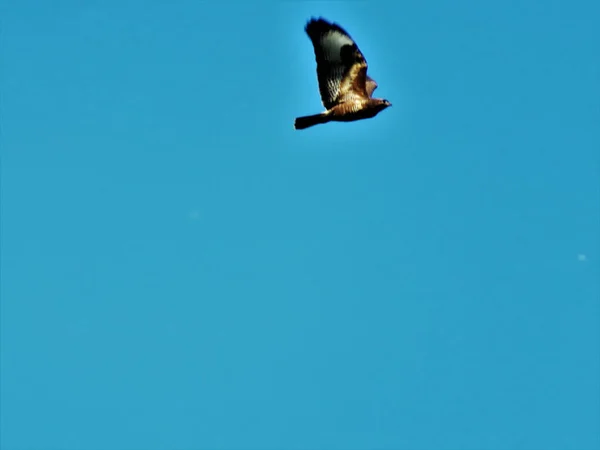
181 269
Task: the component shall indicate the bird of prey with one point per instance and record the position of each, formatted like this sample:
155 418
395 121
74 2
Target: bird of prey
346 89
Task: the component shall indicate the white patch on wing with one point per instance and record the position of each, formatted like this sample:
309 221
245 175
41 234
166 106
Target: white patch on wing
333 83
332 43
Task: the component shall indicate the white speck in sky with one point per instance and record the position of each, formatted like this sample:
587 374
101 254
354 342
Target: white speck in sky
581 257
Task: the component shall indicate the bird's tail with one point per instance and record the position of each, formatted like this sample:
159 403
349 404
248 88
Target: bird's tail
308 121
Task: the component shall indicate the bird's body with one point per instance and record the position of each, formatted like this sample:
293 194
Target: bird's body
346 89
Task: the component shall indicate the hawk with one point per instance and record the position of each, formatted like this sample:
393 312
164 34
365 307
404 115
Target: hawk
346 89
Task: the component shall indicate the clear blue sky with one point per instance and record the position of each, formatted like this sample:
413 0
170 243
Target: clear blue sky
181 269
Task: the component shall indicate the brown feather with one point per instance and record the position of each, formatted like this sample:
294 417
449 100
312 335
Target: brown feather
371 85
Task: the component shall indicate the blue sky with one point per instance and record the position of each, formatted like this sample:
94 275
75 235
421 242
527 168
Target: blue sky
181 269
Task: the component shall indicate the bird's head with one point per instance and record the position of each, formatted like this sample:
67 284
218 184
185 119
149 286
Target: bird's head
381 104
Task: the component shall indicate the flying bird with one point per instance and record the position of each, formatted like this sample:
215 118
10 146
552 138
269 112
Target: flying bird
346 89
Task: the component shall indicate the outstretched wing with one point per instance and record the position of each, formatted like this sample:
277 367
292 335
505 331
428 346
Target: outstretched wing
341 67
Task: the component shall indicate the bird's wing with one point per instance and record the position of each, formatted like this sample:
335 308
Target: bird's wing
371 85
341 67
354 85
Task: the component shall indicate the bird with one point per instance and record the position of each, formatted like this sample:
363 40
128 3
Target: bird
345 88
